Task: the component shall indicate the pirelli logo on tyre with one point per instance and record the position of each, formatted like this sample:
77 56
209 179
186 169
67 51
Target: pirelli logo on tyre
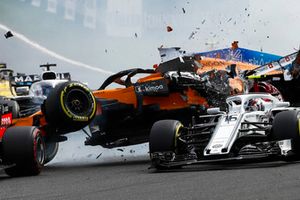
78 102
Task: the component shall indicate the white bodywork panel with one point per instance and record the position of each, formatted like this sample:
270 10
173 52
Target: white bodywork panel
240 110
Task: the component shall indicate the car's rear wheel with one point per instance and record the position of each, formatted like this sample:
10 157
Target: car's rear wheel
163 139
24 147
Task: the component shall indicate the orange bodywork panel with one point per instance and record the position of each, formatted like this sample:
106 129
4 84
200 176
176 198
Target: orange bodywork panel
124 95
172 101
28 121
220 64
175 100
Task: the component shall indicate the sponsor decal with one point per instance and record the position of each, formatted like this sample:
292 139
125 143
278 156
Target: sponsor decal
28 78
216 146
153 88
231 118
63 76
6 119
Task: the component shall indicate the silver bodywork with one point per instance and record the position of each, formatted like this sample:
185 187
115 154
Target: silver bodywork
242 109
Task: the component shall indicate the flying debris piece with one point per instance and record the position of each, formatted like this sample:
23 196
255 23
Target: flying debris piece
229 19
192 35
248 15
246 9
135 35
268 36
198 28
8 34
183 10
132 151
234 45
120 150
169 29
297 59
203 21
234 23
98 155
105 50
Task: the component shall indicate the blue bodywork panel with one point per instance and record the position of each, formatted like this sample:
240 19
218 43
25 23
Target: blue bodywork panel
242 55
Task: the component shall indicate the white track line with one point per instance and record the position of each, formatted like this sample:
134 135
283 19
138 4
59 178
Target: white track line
52 53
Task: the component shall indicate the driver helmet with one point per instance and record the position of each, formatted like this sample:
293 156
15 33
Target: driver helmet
254 105
40 89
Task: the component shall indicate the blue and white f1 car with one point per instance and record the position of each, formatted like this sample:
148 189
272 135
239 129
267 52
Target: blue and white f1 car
255 126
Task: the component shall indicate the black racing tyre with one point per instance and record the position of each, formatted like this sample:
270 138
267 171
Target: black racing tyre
163 136
51 149
24 147
286 125
70 106
13 105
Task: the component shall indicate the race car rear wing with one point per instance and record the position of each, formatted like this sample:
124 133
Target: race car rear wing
22 82
25 80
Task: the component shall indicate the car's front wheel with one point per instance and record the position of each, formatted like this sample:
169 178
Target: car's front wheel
163 139
286 126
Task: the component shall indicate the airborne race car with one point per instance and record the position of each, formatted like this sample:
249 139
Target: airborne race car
29 134
173 90
255 126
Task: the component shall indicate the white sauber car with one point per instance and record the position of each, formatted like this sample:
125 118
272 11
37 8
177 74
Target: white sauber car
255 126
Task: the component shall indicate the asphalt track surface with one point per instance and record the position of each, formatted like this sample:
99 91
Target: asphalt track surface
133 180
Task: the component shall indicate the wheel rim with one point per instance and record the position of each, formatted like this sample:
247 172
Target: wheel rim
77 102
40 151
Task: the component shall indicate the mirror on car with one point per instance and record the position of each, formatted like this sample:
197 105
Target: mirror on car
22 90
282 104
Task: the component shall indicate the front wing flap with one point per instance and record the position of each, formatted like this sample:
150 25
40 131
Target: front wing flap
238 159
